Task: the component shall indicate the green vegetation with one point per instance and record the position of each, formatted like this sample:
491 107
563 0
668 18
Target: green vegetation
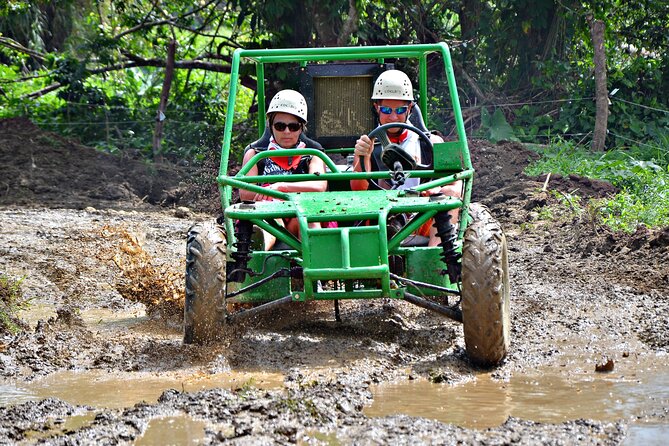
11 301
641 174
95 70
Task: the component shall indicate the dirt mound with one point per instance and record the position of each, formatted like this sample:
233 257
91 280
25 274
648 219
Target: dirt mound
499 175
44 169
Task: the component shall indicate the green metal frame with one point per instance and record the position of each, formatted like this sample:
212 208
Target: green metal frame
356 256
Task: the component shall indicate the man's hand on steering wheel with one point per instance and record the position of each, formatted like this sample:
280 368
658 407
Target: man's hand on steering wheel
381 133
364 146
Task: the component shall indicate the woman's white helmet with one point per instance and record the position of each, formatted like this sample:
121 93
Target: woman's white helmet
393 84
289 101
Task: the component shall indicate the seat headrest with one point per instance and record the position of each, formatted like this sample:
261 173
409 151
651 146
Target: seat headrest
416 118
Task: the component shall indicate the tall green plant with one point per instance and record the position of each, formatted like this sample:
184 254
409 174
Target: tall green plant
11 301
643 183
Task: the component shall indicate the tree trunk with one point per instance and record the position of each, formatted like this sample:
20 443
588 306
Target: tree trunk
350 25
164 95
601 91
470 15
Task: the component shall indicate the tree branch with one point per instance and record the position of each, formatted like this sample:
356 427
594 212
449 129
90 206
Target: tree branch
142 26
13 44
246 81
43 91
168 20
471 82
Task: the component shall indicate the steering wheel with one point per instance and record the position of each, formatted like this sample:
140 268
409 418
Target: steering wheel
393 153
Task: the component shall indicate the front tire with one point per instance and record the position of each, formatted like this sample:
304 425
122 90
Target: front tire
204 309
485 289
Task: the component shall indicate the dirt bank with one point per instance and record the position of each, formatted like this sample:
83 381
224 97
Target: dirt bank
580 295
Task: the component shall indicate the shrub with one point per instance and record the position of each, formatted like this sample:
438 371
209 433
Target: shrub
11 301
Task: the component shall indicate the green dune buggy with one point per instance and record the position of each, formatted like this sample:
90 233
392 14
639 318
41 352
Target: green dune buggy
357 253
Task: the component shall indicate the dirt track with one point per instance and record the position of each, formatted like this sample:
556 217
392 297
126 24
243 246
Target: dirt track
580 295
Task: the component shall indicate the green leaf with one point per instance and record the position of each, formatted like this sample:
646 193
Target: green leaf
485 118
500 130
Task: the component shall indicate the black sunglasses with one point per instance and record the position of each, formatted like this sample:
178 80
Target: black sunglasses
388 110
281 126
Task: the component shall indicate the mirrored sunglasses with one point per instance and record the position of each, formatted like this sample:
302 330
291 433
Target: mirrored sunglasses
293 126
388 110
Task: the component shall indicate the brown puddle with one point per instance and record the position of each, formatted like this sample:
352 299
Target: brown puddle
549 395
93 317
161 431
62 425
119 390
647 435
174 430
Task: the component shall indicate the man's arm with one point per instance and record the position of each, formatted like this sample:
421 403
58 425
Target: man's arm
364 147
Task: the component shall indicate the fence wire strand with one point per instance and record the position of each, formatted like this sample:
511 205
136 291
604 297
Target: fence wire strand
469 132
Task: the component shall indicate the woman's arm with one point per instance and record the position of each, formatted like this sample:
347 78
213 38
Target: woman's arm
246 195
316 165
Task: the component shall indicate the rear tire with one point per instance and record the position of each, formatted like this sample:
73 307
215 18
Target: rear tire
485 289
204 309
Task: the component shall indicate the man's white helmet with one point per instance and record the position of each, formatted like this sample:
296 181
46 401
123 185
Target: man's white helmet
393 84
289 101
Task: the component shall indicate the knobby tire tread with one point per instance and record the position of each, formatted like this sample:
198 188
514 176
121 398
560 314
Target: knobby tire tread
205 283
485 289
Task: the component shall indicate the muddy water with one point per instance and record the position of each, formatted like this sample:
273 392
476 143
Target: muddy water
176 430
119 390
92 317
63 425
647 435
551 394
100 389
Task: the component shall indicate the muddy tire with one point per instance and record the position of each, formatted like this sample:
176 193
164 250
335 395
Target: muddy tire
485 289
204 313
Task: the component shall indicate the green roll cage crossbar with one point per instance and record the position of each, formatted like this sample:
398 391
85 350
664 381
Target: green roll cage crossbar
455 164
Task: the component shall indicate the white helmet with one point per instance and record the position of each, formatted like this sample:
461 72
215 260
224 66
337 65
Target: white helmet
289 101
393 84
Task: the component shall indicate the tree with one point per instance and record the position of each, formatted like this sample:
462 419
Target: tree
601 90
510 51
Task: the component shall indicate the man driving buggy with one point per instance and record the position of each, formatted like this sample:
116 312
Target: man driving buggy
393 102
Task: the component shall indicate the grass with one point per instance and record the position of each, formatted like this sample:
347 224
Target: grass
11 301
642 177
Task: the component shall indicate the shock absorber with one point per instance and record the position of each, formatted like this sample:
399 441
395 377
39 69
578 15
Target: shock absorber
242 254
447 233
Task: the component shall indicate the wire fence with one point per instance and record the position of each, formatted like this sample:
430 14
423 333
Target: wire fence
641 105
471 132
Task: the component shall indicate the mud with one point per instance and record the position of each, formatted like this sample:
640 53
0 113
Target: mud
581 295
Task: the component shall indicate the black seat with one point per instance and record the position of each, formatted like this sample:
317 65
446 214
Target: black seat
415 240
416 118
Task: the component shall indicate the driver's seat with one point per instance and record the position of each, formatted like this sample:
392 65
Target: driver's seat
416 118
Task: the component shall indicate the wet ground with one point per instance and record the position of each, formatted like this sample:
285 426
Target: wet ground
96 367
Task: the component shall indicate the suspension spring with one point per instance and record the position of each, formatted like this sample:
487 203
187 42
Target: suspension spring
242 253
447 233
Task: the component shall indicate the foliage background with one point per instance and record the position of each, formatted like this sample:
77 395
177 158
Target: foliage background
94 69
